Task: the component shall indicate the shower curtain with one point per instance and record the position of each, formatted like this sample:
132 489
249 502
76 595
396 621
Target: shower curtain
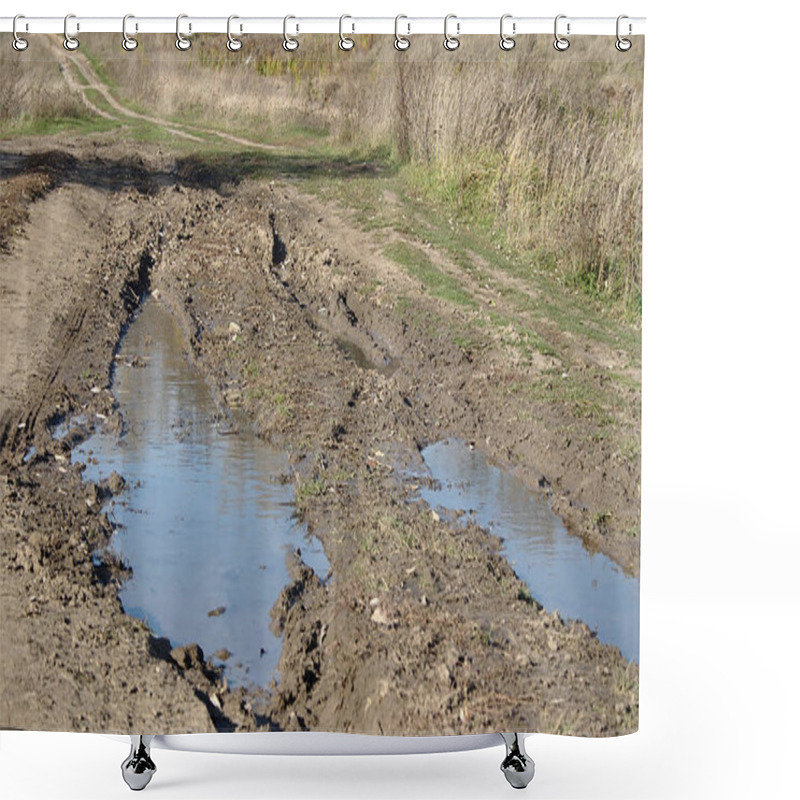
320 386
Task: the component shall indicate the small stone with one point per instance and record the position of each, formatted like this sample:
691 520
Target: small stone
188 656
442 674
92 496
215 612
380 617
223 654
233 328
116 483
434 516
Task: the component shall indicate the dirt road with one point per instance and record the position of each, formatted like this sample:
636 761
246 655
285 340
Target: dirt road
424 628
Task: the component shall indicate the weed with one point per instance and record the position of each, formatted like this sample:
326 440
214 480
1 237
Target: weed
304 491
419 266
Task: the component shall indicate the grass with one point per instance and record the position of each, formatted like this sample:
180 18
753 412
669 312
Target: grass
550 180
552 172
435 281
282 404
308 489
578 393
472 211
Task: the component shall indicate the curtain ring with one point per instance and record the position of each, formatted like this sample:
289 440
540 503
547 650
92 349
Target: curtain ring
345 43
289 42
400 42
128 42
560 43
450 42
70 43
18 43
507 42
233 44
181 42
623 45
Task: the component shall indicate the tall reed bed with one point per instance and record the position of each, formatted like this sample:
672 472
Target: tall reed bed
32 91
546 147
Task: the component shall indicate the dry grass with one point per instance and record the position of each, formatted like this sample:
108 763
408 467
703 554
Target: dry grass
32 91
545 147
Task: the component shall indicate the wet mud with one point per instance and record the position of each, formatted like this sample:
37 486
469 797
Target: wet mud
423 626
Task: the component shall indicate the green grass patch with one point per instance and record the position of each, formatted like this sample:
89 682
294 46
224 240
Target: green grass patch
98 100
46 126
97 67
305 491
436 282
577 393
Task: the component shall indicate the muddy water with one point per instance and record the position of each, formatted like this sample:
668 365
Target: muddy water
387 368
559 572
204 522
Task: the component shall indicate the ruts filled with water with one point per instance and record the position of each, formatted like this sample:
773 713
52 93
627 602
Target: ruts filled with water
205 522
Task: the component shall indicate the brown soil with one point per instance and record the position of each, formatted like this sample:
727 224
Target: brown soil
423 628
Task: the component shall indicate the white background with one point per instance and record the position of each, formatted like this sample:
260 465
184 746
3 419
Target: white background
720 604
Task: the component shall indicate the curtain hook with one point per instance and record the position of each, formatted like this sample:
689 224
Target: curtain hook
181 42
128 42
400 42
451 42
18 43
233 44
623 45
70 43
345 43
560 43
507 42
289 42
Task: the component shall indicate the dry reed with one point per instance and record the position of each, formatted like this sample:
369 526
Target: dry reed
32 90
544 146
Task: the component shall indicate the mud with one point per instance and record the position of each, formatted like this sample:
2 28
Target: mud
424 628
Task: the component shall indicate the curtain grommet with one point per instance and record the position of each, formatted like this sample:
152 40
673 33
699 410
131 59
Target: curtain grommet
181 42
561 43
70 42
346 44
507 42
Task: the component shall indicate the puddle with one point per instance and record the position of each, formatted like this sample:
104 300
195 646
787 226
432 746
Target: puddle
204 522
62 429
359 357
557 569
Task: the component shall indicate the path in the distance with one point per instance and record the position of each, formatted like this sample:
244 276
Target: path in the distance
83 66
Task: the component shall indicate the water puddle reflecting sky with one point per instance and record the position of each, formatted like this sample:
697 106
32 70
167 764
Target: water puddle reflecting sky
558 570
204 522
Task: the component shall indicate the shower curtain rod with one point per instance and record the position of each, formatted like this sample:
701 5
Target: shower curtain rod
403 25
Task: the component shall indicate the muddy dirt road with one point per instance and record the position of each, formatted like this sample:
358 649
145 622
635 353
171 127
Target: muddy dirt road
423 628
